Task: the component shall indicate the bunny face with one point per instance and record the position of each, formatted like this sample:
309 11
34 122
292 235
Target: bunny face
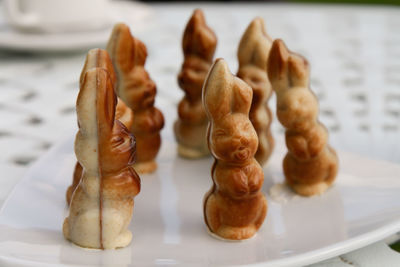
233 139
140 90
297 109
191 78
117 151
258 81
286 69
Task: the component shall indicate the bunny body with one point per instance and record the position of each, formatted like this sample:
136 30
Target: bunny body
102 204
253 55
310 166
138 91
99 58
235 207
199 43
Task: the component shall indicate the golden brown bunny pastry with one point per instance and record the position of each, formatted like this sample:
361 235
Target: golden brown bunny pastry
199 43
311 165
138 91
99 58
102 204
253 55
234 208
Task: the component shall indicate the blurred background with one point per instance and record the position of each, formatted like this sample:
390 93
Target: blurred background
353 48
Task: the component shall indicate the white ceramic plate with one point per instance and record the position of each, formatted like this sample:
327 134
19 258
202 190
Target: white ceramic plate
168 227
120 11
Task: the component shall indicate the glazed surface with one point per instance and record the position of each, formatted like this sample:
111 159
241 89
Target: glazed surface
234 208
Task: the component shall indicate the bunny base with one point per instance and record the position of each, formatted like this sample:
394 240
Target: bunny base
228 240
192 153
228 232
82 226
312 177
191 139
122 241
145 166
308 190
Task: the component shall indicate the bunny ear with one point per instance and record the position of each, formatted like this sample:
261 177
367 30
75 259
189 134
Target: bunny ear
121 47
86 103
298 70
242 96
139 52
277 64
255 45
198 38
217 90
106 101
98 58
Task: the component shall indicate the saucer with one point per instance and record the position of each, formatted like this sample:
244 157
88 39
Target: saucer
120 11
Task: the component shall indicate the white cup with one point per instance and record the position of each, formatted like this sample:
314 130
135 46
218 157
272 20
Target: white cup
57 15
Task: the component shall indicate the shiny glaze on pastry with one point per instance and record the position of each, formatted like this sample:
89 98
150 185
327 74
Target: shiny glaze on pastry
234 208
138 91
99 58
102 204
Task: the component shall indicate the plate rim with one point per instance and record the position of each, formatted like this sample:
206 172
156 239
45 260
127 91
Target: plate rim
306 258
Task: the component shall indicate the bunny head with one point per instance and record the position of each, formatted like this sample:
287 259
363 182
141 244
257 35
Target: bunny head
116 143
125 51
253 55
255 45
285 68
198 38
98 58
101 139
287 71
192 75
199 43
129 57
227 100
86 142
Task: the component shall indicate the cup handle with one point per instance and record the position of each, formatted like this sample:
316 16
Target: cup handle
19 18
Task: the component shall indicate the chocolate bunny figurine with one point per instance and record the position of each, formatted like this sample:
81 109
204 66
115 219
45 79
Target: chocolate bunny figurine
253 55
138 91
199 43
234 208
311 165
102 204
99 58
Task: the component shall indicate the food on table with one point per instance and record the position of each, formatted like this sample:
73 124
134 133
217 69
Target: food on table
99 58
138 91
199 43
234 208
311 165
102 204
253 55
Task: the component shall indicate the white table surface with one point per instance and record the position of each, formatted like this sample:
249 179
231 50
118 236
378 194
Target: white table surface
354 53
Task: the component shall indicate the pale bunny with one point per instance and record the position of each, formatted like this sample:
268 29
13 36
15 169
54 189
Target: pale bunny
99 58
234 208
253 55
198 43
102 204
138 91
311 165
